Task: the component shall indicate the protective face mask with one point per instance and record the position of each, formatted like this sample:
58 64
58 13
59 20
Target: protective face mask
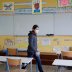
36 31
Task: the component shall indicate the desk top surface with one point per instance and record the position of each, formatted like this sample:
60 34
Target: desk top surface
23 59
62 62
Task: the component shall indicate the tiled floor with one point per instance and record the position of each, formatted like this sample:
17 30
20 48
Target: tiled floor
46 68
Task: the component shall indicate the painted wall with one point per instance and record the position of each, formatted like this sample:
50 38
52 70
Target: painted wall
59 24
45 43
49 3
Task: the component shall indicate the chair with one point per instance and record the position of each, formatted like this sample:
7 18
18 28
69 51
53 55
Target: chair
70 48
66 54
14 65
12 51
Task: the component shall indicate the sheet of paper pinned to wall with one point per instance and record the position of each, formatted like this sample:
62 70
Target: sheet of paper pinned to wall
65 48
59 49
18 40
26 40
46 41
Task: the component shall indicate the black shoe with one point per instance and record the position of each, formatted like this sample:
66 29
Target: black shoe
69 68
24 65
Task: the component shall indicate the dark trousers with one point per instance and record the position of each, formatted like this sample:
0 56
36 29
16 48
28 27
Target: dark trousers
37 58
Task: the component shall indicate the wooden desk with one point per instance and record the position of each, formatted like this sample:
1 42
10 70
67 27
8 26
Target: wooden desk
62 62
23 59
47 58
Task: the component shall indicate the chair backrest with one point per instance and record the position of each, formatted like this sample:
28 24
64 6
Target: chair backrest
12 51
66 54
14 62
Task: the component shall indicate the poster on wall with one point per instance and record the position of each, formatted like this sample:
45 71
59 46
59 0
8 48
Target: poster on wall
8 6
36 6
63 3
70 2
46 41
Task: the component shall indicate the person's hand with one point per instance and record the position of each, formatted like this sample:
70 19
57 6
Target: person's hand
37 53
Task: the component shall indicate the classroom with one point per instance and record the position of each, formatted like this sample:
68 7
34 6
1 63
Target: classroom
20 20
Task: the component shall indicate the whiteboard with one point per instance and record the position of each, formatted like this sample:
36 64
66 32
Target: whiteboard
24 23
57 24
63 24
6 25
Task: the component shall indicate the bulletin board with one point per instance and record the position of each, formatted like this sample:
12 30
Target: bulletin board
45 43
21 42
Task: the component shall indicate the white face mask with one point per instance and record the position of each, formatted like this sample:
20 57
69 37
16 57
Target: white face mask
36 31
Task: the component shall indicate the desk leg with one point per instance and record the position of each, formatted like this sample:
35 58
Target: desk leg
31 66
58 56
59 69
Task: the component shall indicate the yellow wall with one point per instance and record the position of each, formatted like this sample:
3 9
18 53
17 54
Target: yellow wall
49 3
45 43
0 5
4 40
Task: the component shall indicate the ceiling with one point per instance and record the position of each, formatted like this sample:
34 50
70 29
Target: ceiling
46 3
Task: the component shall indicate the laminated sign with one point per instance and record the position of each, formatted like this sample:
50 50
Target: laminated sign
8 6
36 6
63 3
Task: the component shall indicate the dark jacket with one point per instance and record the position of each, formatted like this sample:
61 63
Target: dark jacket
32 40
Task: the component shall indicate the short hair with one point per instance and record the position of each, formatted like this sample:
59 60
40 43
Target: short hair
35 26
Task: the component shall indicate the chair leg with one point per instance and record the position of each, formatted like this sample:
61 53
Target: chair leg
20 68
7 67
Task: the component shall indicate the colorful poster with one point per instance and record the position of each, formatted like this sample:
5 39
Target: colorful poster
8 6
36 6
63 3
